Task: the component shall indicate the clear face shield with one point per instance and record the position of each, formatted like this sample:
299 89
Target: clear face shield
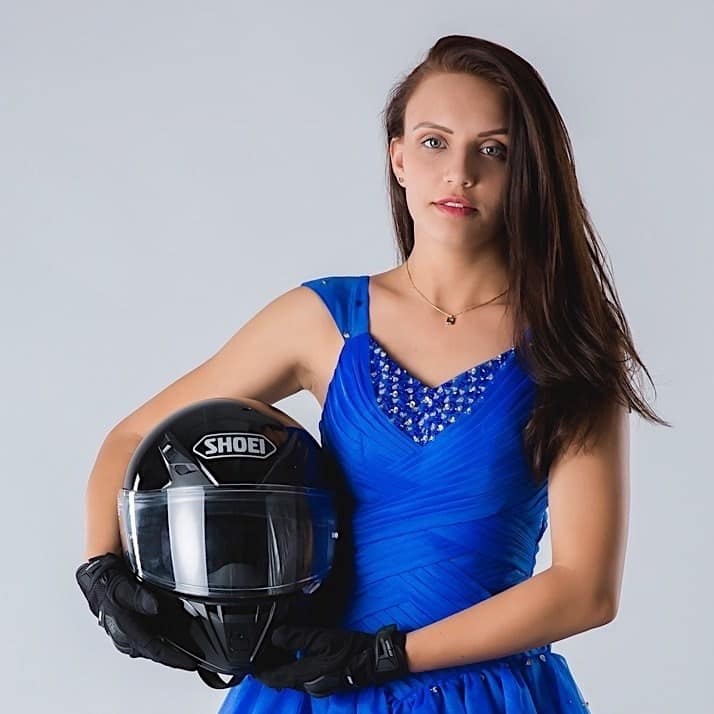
229 543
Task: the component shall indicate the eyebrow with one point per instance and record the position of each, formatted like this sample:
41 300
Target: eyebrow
503 130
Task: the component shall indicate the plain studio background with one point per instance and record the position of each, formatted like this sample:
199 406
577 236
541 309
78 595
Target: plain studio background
168 168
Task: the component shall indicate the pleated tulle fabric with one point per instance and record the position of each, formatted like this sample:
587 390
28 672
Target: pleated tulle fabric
436 528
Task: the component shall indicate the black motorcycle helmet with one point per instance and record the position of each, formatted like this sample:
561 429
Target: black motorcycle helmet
227 515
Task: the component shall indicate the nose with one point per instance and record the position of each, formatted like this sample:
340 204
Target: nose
460 174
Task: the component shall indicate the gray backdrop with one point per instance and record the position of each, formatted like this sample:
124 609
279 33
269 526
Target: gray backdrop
138 148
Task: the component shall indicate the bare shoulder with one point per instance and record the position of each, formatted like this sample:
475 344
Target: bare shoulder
270 357
388 281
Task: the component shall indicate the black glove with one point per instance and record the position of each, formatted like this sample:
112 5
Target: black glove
335 659
124 608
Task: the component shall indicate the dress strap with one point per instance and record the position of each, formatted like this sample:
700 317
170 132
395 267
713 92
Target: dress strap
345 297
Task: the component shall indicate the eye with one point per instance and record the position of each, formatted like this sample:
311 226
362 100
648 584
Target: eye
500 153
430 138
501 149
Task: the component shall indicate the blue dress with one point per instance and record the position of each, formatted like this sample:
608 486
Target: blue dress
444 515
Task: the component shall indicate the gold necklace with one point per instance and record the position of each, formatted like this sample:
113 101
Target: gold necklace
450 317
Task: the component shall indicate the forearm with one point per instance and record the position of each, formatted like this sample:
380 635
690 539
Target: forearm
547 607
105 480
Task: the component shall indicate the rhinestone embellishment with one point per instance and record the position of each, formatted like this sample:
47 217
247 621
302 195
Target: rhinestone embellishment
418 409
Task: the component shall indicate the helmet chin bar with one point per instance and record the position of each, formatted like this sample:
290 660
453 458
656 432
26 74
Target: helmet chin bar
236 631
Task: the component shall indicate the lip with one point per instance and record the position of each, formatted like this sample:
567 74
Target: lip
453 211
456 199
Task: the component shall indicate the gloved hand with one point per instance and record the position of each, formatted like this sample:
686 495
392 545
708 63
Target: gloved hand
124 608
335 659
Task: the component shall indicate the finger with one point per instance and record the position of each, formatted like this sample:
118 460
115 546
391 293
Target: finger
134 627
297 638
120 640
291 675
150 644
270 656
136 597
164 652
325 684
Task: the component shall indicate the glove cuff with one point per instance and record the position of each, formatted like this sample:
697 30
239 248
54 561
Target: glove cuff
390 657
92 578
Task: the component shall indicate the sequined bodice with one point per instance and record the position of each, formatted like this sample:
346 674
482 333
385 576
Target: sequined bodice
420 410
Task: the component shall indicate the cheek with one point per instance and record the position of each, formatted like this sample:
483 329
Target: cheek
419 198
418 205
419 163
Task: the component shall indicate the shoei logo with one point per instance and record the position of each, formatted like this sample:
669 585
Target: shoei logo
244 445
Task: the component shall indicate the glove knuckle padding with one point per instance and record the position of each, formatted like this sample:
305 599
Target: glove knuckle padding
117 601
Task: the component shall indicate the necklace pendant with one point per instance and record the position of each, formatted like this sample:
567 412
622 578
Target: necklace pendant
451 319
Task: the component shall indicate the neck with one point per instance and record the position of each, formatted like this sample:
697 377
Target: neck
455 281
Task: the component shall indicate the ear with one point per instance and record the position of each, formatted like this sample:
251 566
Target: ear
396 155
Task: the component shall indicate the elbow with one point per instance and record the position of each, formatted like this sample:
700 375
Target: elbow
605 608
597 602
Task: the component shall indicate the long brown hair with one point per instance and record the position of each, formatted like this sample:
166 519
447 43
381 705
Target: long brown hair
580 354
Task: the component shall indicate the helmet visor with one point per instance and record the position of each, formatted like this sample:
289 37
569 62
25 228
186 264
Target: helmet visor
229 542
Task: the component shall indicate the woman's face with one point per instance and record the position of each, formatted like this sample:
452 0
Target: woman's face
463 157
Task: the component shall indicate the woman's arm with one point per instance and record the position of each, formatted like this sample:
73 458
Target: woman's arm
268 359
588 499
100 501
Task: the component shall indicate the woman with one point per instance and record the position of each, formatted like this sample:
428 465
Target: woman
481 381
